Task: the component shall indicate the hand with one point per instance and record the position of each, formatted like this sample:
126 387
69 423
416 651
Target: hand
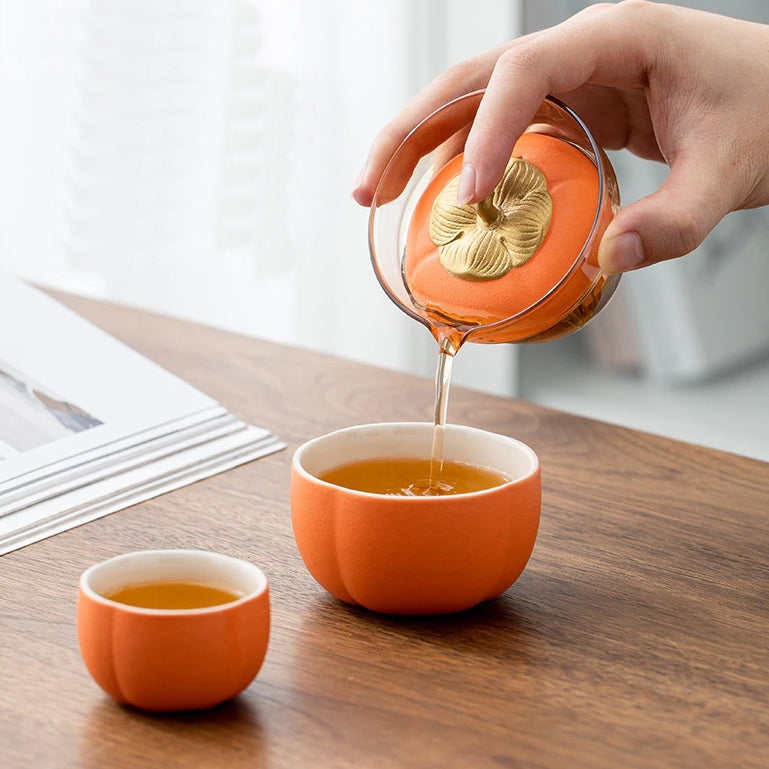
672 84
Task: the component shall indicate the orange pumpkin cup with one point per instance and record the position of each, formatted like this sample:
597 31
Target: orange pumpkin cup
173 659
415 555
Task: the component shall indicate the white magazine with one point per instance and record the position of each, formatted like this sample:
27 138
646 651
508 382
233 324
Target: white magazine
88 426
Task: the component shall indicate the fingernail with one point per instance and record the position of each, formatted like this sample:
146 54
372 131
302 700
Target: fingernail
360 194
621 253
466 188
361 177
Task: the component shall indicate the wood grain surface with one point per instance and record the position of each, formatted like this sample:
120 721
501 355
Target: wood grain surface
638 636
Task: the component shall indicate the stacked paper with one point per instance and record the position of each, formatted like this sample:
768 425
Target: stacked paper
88 426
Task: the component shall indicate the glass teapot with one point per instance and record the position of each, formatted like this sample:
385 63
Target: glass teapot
521 265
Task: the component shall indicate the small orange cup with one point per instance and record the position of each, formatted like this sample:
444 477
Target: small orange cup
173 659
415 555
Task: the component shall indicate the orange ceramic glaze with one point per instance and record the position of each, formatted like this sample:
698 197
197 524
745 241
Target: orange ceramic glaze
415 555
573 184
166 659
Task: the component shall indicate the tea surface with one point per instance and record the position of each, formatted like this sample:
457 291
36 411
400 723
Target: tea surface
411 477
172 595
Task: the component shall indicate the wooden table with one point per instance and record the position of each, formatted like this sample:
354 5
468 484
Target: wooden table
638 636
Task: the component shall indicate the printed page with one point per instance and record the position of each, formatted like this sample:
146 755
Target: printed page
67 387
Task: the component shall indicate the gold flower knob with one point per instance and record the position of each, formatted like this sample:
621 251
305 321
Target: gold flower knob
485 241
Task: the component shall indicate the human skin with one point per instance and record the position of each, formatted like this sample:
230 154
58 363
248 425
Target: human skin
671 84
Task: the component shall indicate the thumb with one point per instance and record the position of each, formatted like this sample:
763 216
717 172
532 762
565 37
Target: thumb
669 223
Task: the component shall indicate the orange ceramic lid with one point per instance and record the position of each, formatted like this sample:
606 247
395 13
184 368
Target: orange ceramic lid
572 184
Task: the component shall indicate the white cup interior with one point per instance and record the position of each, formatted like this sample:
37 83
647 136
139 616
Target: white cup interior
195 566
414 439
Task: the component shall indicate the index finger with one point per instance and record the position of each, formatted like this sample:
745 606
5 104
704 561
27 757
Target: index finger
459 80
602 45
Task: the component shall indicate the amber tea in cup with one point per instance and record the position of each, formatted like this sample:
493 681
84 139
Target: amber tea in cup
173 595
411 477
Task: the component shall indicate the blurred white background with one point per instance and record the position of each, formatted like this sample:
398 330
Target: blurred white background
159 153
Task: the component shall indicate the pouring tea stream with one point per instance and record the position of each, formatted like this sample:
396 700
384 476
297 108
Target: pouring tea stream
520 266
